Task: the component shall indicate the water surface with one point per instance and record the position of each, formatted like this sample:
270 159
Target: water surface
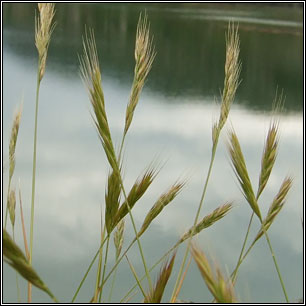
172 123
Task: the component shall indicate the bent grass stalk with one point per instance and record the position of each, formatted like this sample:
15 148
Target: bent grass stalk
231 83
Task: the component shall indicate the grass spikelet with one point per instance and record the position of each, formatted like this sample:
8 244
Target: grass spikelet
208 220
159 205
275 207
17 260
136 192
156 295
12 149
12 206
241 172
232 72
112 198
13 141
118 237
268 157
222 290
43 30
144 57
91 75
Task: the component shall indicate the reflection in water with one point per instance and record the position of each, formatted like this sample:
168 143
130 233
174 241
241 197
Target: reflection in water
174 120
190 49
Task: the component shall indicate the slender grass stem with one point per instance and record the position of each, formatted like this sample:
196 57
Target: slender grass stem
104 268
17 283
136 276
181 282
234 274
88 269
125 252
8 194
121 147
99 264
34 169
154 266
214 148
243 247
136 237
112 285
276 265
34 166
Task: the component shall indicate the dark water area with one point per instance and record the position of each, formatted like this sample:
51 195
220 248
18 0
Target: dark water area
190 44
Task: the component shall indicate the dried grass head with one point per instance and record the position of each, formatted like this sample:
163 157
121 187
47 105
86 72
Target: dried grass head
43 30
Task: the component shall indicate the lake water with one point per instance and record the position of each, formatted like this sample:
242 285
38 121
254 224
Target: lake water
172 124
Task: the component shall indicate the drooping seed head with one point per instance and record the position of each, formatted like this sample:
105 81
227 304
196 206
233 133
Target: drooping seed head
13 256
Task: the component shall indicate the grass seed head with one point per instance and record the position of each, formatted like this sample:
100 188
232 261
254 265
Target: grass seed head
232 73
43 30
12 206
241 172
268 157
275 207
208 220
91 75
136 192
156 294
13 140
112 198
118 237
159 205
221 289
144 57
16 259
